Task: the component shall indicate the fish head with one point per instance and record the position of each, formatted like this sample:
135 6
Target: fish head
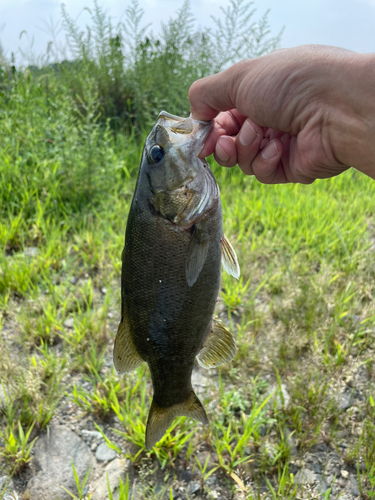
171 151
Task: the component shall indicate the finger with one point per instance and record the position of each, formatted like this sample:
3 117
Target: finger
266 166
226 151
248 143
273 134
203 106
228 123
292 161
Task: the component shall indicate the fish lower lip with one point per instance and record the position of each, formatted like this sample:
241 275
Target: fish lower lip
201 132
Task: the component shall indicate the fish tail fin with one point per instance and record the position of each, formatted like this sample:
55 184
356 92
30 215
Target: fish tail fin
159 419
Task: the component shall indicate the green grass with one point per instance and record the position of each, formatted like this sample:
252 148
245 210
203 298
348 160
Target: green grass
302 312
307 271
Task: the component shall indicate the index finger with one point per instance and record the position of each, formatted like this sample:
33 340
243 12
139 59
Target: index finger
201 95
226 123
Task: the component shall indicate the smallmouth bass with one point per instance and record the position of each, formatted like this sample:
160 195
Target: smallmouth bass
171 264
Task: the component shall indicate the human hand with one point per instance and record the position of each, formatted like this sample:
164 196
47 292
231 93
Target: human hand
294 115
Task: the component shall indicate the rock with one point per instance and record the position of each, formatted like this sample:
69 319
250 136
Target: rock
186 475
330 479
104 453
345 401
30 252
344 474
92 435
323 486
7 489
293 468
316 467
54 453
305 476
354 486
69 323
193 487
212 480
321 447
199 382
263 430
115 471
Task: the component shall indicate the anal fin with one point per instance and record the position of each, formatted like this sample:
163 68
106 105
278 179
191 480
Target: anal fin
125 355
218 348
229 258
159 419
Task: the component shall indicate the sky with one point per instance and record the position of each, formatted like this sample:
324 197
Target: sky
345 23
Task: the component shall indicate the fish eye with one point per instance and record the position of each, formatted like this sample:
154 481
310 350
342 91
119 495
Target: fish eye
157 153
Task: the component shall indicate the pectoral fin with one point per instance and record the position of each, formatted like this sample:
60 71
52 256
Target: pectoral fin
159 419
125 355
218 348
196 257
229 258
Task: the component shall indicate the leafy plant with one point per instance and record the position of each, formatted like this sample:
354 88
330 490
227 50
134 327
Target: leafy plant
100 400
16 450
80 486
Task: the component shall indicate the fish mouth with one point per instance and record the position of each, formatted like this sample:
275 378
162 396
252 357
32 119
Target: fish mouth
182 130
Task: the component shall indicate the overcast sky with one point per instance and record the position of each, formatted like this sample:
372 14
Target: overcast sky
345 23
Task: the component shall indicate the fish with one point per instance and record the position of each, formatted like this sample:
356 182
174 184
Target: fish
171 269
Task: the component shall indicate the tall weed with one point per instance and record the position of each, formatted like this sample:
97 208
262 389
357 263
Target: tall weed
137 72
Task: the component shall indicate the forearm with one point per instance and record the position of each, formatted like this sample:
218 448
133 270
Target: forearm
352 114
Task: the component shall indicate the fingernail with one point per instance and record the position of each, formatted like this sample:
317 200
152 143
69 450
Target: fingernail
270 151
247 134
221 154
